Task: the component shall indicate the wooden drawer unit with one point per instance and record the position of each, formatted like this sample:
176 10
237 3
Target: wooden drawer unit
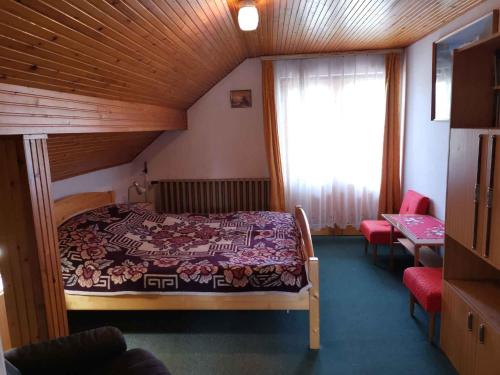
470 329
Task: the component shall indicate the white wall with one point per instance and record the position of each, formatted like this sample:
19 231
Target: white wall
221 142
426 142
115 178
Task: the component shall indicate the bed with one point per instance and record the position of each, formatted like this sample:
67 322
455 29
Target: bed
128 257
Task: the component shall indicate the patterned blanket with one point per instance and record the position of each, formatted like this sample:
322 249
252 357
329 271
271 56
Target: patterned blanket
129 249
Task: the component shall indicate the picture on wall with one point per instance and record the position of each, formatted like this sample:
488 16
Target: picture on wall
442 58
241 98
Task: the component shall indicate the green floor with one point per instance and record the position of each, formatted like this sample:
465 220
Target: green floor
365 327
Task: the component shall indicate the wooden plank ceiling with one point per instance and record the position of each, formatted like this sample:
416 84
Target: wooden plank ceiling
171 52
71 155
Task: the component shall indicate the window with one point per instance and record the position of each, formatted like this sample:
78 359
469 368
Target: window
331 115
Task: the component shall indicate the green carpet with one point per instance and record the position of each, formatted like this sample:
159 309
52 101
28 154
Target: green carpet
365 327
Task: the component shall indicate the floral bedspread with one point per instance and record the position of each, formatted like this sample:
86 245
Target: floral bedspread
130 249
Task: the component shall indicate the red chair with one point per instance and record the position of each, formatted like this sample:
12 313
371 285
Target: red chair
378 232
424 284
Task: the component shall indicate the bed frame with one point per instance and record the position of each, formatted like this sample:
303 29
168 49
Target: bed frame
309 300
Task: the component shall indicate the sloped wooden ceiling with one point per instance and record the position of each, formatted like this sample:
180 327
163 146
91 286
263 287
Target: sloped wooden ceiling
166 53
75 154
170 52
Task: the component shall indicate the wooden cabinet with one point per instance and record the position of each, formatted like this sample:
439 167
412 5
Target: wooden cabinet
491 234
470 321
466 175
457 330
487 359
474 191
471 341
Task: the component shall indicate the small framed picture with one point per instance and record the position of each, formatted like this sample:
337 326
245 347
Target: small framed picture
240 98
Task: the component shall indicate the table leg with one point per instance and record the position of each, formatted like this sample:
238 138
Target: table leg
391 247
416 260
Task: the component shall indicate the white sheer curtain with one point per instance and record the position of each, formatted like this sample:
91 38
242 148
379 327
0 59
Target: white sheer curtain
331 115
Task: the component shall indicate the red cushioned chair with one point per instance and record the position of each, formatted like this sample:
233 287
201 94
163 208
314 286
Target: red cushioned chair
378 232
424 284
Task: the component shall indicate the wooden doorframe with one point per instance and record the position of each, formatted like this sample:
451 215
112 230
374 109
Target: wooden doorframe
29 260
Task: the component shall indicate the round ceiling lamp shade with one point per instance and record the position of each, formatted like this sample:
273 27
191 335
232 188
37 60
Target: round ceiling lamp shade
248 16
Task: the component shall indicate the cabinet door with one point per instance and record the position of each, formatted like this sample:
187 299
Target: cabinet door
466 187
487 350
458 330
492 234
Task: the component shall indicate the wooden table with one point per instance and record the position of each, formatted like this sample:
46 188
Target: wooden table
424 234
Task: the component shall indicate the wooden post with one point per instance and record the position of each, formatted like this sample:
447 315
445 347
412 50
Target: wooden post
29 259
391 247
412 304
416 256
314 303
432 323
374 253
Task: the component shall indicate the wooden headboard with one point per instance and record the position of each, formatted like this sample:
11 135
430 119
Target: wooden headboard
71 205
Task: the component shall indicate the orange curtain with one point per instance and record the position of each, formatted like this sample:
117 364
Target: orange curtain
277 199
390 189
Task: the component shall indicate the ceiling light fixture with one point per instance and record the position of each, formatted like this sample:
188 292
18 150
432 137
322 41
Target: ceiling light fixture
248 16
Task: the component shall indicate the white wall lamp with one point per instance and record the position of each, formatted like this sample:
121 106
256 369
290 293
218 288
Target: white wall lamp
248 15
138 188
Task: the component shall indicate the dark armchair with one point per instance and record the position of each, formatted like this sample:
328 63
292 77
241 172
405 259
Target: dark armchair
99 351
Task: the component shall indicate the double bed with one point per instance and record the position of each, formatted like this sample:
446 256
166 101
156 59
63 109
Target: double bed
129 257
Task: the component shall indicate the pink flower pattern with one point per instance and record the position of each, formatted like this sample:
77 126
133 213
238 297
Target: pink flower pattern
126 248
200 272
88 274
127 271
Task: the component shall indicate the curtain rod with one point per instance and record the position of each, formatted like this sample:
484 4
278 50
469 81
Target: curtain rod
316 55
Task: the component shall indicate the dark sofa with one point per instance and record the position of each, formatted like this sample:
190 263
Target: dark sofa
101 351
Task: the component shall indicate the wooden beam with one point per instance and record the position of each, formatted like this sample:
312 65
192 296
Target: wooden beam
25 110
29 261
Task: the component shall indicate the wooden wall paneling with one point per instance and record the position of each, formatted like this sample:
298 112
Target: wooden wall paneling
30 110
16 273
29 264
171 52
40 183
74 154
4 325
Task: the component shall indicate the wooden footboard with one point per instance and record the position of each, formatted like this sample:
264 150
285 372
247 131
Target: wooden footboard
313 274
